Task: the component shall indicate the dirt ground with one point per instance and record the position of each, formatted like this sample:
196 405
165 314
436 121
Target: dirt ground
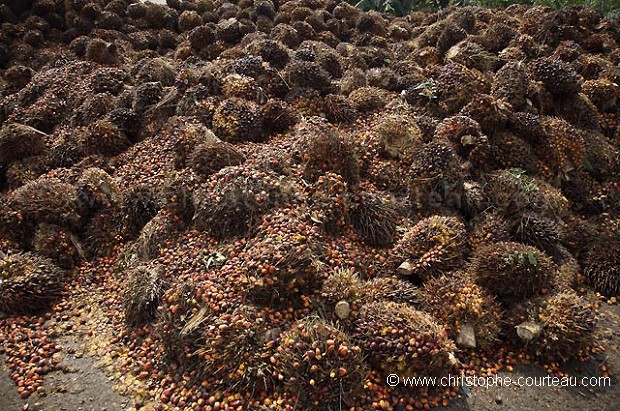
82 386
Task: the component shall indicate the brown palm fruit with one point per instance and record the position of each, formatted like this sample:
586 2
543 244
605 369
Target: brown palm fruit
154 70
601 268
442 35
321 148
102 52
282 259
602 158
458 85
352 79
367 99
512 192
237 120
106 139
153 237
177 194
235 199
24 171
57 244
338 109
471 316
466 136
45 200
432 247
210 157
235 349
602 93
342 295
373 218
95 189
180 320
565 147
538 230
488 111
400 137
559 327
307 74
103 233
138 206
401 340
142 295
18 141
235 85
320 365
28 282
558 77
511 84
391 289
472 55
328 202
513 270
384 78
191 135
496 37
489 228
435 179
579 111
278 116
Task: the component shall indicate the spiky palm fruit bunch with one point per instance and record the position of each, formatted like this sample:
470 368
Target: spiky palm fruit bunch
435 179
329 202
95 189
307 74
235 350
189 133
459 304
103 233
400 137
458 85
391 289
367 99
343 294
28 282
235 199
235 85
320 364
538 230
579 111
210 157
179 323
489 228
321 148
177 194
18 141
153 236
45 200
142 295
282 259
512 191
24 171
513 270
568 323
565 147
237 120
603 93
137 207
338 109
601 267
373 218
466 136
602 158
432 247
58 244
488 111
278 116
558 77
511 84
399 339
106 139
472 55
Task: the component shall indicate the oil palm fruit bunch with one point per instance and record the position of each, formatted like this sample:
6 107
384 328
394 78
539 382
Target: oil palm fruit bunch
601 267
320 364
399 339
513 270
471 316
28 282
433 246
142 295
